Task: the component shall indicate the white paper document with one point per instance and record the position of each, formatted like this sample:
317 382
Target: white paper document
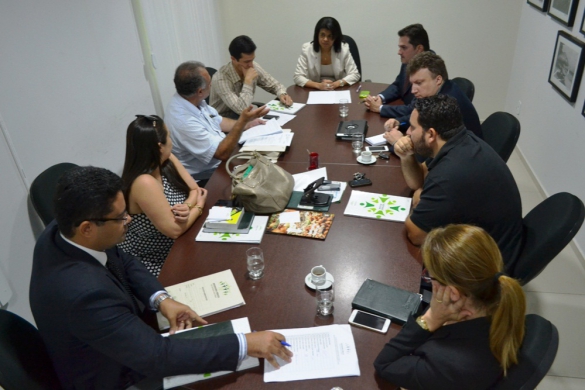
283 118
302 180
319 352
376 140
270 127
328 97
281 140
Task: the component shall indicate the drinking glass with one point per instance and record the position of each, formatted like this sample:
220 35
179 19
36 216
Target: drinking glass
343 108
325 300
255 260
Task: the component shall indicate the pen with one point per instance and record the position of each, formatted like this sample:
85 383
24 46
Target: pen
358 88
285 344
402 123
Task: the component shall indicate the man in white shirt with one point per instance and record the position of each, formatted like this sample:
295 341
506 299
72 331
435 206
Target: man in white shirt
201 137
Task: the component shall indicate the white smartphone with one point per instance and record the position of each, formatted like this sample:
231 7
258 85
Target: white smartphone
369 321
377 149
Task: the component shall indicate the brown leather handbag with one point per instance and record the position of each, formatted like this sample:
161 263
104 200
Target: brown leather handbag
259 185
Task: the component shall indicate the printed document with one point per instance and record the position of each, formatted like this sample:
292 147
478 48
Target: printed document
328 97
319 352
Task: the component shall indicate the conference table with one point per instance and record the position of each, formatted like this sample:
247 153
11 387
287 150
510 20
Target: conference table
355 249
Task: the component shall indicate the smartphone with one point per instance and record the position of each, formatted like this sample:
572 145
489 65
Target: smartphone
269 117
369 321
377 149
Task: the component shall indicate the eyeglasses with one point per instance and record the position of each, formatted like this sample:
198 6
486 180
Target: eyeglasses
428 278
152 118
124 218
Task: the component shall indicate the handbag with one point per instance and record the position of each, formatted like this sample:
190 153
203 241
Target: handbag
259 185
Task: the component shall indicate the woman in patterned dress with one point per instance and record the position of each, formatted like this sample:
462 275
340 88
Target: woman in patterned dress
163 199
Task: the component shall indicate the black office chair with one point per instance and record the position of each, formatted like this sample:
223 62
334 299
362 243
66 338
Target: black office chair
466 86
355 53
42 190
537 354
501 131
24 361
547 229
211 72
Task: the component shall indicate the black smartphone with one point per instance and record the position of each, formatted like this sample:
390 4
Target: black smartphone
269 117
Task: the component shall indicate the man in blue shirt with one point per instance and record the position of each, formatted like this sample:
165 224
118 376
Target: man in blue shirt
201 137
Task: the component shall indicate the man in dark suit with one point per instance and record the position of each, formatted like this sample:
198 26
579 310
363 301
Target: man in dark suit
428 74
412 40
85 297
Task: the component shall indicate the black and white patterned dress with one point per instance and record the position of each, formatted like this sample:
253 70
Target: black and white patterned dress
143 239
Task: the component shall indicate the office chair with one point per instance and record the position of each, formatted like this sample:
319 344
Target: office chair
24 361
211 72
42 190
355 53
466 86
536 355
501 131
547 229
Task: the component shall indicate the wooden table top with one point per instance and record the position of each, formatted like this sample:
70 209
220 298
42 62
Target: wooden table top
355 249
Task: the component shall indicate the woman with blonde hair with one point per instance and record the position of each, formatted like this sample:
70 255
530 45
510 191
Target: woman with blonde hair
470 335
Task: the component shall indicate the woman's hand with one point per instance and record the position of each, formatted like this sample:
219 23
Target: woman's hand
181 212
446 306
201 197
326 85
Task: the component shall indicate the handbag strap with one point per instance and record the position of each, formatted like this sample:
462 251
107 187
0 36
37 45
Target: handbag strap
239 155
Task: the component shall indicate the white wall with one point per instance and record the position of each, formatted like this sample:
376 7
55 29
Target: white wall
475 38
552 138
72 79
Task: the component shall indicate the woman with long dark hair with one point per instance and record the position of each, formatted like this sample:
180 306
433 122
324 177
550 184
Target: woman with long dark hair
326 63
163 199
470 335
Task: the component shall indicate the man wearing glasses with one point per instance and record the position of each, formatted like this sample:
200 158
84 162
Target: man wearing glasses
85 294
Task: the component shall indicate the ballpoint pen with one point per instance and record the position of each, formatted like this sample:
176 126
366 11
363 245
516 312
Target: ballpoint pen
285 344
358 88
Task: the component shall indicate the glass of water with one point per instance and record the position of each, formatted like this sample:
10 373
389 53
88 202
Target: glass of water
357 143
343 108
325 300
255 259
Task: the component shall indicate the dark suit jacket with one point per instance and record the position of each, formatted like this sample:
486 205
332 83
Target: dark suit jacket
470 117
397 90
456 356
89 324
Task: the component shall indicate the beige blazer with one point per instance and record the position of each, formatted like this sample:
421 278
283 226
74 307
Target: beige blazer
309 65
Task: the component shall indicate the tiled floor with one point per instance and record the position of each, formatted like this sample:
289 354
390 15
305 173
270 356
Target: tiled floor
558 294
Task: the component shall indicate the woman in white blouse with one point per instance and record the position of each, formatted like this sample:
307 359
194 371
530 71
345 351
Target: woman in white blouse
326 63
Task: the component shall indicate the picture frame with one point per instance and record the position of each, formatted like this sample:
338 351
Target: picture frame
566 67
541 5
582 30
564 11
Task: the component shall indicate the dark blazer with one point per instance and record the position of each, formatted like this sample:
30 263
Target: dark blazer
398 90
92 329
456 356
470 117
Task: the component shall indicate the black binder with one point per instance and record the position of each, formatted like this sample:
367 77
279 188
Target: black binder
348 130
386 301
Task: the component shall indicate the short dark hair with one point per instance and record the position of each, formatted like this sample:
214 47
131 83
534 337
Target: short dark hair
84 194
242 44
430 61
188 78
417 35
441 112
331 24
143 153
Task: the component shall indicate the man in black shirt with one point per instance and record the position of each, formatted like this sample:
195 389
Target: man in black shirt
463 180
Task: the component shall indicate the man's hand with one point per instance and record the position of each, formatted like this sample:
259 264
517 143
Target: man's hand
392 133
250 75
266 345
403 147
255 122
373 103
286 100
180 316
250 113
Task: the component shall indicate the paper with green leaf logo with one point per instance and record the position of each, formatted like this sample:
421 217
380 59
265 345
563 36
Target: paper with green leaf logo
378 206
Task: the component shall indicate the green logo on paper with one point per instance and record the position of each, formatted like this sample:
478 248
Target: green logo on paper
224 287
381 206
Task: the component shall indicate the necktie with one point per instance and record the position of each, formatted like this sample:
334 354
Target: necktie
115 267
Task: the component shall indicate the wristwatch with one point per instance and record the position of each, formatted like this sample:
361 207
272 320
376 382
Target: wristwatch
342 83
158 300
422 323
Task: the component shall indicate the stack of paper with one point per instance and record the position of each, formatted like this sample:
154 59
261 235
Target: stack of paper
328 97
254 236
378 206
277 107
376 140
319 352
270 127
269 143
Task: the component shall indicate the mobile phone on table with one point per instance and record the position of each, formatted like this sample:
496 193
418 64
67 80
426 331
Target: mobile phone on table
377 149
269 117
369 321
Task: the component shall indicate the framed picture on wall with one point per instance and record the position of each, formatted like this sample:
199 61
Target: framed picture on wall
566 68
539 4
563 10
583 24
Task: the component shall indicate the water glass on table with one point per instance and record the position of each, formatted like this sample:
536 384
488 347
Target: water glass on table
357 143
255 260
325 300
343 107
